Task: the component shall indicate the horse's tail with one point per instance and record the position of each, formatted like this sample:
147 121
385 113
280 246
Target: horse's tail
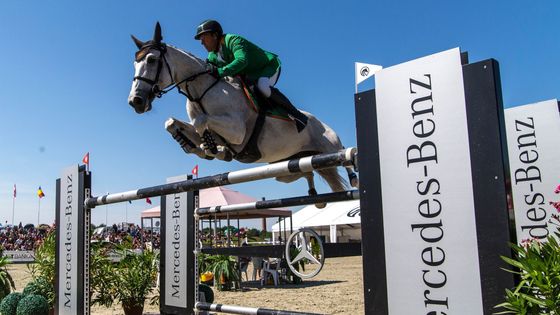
333 178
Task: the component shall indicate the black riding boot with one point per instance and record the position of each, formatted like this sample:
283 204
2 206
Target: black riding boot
281 100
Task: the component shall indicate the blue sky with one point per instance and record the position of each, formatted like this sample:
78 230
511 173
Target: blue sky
67 67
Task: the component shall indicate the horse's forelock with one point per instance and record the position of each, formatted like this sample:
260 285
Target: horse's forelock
143 51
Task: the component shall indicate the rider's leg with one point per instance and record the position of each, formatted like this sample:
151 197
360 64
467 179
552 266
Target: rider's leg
266 87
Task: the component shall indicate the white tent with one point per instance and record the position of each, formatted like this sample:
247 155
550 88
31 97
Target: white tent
338 221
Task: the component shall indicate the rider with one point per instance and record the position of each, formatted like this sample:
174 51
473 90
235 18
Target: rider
230 55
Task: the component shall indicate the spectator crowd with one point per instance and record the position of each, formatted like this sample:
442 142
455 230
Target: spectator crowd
28 238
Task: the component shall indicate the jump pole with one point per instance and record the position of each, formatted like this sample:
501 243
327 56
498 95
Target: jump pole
278 203
303 165
234 309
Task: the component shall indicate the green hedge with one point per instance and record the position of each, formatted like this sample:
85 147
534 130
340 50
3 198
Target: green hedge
33 304
9 304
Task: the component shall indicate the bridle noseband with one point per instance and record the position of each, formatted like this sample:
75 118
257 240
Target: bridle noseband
157 92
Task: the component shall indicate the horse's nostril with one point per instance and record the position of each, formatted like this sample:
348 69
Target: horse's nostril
136 101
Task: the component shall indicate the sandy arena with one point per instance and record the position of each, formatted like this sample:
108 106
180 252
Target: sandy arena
337 289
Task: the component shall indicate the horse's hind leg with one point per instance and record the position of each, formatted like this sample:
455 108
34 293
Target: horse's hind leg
352 177
312 191
310 184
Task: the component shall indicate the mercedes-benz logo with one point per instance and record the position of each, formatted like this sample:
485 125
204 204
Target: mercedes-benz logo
364 71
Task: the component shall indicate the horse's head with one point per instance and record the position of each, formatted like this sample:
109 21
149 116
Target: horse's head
150 77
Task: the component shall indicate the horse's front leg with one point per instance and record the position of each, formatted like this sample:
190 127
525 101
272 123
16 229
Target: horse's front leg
187 137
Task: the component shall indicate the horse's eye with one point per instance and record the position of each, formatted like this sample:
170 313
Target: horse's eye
151 59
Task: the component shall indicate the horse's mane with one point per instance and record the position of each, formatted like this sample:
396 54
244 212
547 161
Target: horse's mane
190 55
235 82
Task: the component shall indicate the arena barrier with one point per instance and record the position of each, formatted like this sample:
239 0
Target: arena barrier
178 285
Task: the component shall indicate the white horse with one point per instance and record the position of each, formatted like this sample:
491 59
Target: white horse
222 121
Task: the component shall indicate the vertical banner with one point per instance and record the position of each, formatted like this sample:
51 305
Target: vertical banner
177 258
71 263
431 253
534 159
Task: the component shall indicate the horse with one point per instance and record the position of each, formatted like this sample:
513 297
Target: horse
223 124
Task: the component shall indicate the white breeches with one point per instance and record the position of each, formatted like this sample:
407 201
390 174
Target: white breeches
264 83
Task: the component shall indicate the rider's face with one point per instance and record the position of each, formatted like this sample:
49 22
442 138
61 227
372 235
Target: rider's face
209 41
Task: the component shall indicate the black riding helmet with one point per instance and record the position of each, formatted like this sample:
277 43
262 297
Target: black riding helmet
208 26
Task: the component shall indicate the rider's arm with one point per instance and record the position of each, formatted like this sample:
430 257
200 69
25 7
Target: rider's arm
240 59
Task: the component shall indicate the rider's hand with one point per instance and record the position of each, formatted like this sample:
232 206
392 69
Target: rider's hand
212 70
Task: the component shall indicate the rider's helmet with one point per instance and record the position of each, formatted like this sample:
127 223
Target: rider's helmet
208 26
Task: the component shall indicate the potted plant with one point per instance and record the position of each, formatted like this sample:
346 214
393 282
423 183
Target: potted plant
133 279
225 272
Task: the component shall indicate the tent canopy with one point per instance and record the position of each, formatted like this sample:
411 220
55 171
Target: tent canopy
335 213
219 196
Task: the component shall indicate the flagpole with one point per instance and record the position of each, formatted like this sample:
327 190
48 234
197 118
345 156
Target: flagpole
39 212
13 209
126 213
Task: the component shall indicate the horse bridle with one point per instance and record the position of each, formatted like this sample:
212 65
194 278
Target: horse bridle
157 92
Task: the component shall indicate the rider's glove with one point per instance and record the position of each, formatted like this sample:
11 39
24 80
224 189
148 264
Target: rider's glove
212 69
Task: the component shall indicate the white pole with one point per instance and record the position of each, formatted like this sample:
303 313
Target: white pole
13 209
126 213
39 212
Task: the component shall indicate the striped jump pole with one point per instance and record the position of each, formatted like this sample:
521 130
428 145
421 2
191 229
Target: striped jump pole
303 165
279 203
233 309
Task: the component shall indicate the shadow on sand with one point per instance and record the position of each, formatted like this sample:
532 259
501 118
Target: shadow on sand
252 285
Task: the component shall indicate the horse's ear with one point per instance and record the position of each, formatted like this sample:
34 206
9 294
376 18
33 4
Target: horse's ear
138 42
157 34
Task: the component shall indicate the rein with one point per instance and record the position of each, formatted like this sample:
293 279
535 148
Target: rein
157 92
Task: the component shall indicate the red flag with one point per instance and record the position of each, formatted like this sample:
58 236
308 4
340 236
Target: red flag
85 160
15 193
148 200
194 171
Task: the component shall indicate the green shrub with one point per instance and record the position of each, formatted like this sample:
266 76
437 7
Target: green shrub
6 282
33 304
8 306
41 286
538 266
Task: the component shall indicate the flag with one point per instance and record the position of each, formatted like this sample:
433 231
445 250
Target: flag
40 193
85 160
15 192
194 171
364 71
148 200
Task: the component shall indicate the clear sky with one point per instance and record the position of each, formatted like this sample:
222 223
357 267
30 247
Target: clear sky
66 69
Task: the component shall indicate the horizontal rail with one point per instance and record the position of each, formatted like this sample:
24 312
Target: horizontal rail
278 203
303 165
233 309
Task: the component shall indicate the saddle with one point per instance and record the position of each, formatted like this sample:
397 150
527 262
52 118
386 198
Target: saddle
258 102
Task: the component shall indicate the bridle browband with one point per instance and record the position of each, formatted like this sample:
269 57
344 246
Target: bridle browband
157 92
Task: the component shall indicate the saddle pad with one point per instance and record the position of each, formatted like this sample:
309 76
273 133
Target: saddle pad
256 103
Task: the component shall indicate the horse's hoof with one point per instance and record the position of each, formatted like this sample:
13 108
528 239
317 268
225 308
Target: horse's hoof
320 205
354 181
